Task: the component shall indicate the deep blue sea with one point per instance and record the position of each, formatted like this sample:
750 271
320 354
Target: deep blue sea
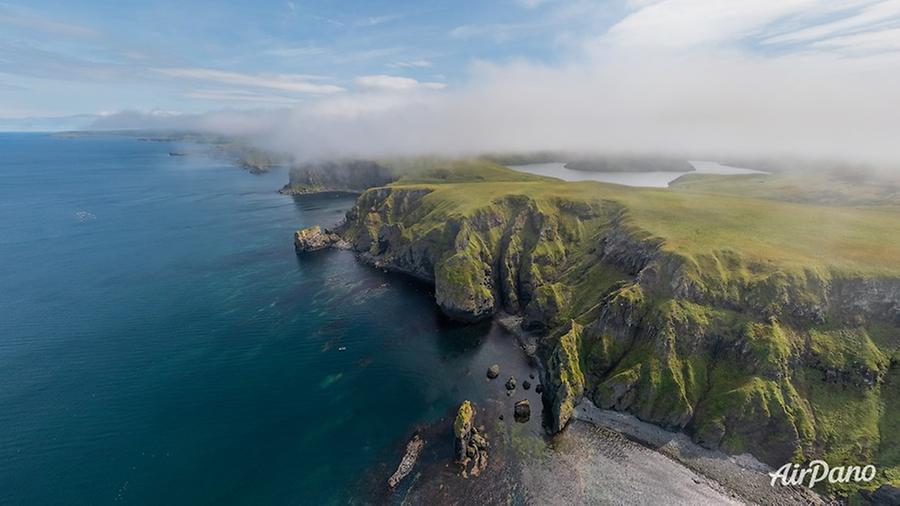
161 343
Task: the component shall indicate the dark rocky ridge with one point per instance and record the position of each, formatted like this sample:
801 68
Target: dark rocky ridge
354 176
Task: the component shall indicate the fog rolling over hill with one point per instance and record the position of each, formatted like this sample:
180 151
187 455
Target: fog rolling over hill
532 240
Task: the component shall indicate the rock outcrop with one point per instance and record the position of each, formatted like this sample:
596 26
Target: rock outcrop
353 176
522 411
316 238
471 445
564 379
413 448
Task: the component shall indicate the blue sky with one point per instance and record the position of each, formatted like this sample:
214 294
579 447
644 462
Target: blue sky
809 77
65 58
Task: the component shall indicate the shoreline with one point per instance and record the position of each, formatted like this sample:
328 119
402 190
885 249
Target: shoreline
741 475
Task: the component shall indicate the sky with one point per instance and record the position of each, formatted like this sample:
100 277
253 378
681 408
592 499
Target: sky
319 77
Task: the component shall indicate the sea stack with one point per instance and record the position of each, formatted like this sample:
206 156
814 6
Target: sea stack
471 445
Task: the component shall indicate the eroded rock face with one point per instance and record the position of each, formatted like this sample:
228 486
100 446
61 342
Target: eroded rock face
462 289
495 259
337 175
564 378
316 238
471 445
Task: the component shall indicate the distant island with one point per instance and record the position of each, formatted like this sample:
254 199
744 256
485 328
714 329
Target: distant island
756 321
237 151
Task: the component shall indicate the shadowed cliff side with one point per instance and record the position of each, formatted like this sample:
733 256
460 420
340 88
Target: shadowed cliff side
352 176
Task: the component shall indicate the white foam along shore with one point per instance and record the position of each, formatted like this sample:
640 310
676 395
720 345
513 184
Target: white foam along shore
742 475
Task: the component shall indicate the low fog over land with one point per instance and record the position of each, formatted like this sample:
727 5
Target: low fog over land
683 78
812 79
720 103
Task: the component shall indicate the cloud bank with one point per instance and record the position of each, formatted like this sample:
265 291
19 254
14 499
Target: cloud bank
810 78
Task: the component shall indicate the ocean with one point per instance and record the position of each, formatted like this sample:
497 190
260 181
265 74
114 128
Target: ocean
161 342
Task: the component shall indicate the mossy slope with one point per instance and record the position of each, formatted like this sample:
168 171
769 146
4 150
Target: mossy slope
740 321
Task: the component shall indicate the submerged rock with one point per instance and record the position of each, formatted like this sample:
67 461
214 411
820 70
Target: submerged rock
526 385
539 388
511 383
413 448
522 411
493 371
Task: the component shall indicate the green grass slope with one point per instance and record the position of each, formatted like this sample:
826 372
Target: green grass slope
755 325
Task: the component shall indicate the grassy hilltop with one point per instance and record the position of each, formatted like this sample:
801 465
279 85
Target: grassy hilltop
762 325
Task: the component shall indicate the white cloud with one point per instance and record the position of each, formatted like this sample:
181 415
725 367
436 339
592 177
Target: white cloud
685 24
868 42
240 96
417 64
376 20
682 24
384 82
498 31
33 21
677 77
296 52
297 83
873 15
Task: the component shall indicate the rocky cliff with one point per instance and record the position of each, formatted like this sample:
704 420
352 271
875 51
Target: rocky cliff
789 364
337 175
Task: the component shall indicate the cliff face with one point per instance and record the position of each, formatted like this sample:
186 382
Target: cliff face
344 175
746 356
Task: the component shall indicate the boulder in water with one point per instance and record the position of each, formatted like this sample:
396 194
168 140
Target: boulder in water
522 411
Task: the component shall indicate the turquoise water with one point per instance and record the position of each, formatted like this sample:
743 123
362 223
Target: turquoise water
161 343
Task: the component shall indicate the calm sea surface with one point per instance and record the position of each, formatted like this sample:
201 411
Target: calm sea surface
161 343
